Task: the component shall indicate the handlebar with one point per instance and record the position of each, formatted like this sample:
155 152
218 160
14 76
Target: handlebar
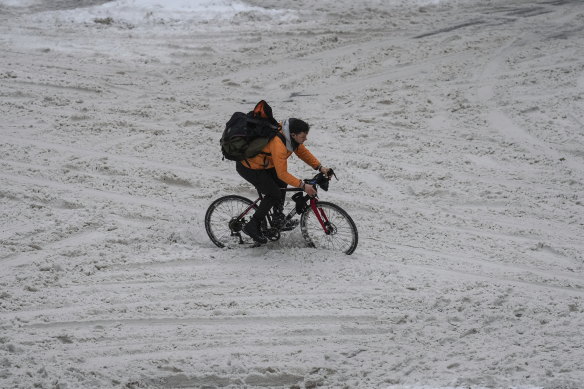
319 180
322 180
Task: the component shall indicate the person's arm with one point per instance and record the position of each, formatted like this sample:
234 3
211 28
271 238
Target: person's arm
304 154
280 159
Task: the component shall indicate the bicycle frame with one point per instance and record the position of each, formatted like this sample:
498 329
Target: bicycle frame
319 213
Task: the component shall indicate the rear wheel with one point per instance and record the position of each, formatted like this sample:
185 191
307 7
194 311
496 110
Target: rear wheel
341 232
223 222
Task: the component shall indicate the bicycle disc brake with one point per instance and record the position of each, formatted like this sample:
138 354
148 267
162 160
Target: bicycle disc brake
331 229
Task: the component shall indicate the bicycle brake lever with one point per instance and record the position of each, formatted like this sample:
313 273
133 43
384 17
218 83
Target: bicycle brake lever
331 173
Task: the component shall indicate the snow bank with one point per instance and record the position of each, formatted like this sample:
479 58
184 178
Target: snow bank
18 3
136 13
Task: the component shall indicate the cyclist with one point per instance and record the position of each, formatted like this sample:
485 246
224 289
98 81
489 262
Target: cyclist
268 173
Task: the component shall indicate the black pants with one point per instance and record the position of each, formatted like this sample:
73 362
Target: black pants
267 182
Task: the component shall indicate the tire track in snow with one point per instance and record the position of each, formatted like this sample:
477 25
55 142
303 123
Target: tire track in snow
502 122
119 198
214 321
492 269
74 241
85 152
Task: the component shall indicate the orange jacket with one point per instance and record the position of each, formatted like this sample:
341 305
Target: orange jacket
277 156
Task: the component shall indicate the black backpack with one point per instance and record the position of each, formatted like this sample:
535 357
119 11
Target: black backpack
245 135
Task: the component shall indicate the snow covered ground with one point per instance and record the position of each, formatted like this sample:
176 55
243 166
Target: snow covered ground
456 128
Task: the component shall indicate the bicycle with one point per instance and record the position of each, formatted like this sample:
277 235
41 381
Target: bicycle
323 224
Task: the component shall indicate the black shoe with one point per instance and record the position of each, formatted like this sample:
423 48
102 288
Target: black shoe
251 229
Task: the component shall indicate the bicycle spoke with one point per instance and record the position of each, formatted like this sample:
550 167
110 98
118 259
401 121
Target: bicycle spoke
220 214
342 236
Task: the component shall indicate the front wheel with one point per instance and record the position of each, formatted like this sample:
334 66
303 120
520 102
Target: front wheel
225 219
339 233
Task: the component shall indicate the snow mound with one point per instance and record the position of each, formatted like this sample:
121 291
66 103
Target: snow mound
137 13
18 3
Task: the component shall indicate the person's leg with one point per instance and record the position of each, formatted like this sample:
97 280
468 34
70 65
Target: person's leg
279 219
267 182
278 206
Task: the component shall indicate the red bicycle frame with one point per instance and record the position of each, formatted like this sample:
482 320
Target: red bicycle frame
318 212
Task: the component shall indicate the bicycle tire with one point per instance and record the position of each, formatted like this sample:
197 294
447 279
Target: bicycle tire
344 237
221 224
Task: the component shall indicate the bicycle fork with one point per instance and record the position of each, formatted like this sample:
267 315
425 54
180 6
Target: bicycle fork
301 207
321 217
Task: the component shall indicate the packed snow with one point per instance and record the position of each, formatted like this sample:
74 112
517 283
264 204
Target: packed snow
455 127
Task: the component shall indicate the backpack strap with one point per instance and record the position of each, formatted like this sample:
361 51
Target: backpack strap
282 138
279 135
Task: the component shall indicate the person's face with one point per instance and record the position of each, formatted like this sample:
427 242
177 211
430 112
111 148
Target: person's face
300 137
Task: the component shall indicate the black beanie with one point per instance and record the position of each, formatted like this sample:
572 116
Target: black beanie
297 126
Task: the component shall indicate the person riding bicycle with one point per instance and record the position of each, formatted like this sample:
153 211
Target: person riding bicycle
268 173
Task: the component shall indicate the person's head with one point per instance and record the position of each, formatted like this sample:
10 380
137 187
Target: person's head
298 130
